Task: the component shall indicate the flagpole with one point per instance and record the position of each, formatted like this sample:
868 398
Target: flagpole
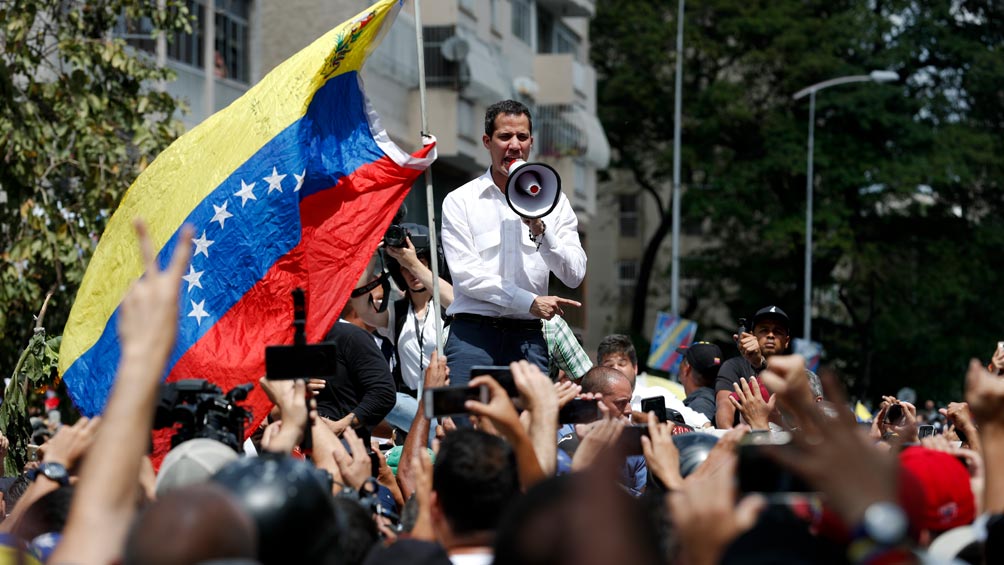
429 197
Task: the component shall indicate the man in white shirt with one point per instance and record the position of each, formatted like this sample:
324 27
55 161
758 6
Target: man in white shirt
500 262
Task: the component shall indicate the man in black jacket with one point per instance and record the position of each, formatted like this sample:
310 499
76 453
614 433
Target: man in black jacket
362 391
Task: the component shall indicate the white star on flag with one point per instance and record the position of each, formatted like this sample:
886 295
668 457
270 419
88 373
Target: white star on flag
198 312
299 180
246 193
221 214
202 245
274 181
192 278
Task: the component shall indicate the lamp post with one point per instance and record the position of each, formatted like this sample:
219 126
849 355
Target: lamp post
874 76
677 105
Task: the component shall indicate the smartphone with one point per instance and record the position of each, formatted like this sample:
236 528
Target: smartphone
580 411
501 374
925 430
742 327
894 415
630 440
450 400
32 452
759 473
655 404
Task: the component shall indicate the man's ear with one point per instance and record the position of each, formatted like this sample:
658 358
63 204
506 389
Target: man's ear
485 139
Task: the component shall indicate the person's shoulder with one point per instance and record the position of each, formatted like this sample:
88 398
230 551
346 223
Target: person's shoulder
346 331
737 364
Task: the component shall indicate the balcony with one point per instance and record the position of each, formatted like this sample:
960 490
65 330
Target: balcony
563 80
563 130
569 8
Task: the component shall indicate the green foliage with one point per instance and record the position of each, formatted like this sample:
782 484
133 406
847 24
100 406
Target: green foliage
907 187
34 371
80 118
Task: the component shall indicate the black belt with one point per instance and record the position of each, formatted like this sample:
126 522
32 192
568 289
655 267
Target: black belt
499 323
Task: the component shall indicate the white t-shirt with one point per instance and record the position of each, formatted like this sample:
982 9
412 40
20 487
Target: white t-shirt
692 417
414 359
480 558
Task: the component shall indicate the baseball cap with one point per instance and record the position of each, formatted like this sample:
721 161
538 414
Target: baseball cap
193 461
935 490
704 357
771 312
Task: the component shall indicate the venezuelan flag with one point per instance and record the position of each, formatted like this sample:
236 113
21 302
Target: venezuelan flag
290 186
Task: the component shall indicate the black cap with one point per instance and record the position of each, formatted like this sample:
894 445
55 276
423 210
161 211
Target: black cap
704 357
771 312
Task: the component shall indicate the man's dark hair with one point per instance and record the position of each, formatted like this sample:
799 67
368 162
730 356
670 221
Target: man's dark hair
616 343
47 514
15 491
475 480
505 107
357 533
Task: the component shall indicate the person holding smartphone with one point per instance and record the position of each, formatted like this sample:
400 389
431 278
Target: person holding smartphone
770 335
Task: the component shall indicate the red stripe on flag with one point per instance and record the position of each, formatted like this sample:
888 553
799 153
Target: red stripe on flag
340 227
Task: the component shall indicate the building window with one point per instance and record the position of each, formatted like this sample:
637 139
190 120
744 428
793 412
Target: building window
627 278
232 43
494 11
628 215
521 10
553 36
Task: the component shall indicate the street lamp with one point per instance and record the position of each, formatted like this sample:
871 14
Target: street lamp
874 76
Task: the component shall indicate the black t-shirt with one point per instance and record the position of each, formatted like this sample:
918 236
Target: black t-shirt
702 400
733 370
362 383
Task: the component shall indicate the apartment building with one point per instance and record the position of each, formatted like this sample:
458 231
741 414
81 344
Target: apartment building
476 52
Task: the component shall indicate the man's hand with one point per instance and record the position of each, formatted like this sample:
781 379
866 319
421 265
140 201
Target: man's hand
437 374
985 396
354 467
566 391
338 427
752 405
997 361
661 454
600 435
749 348
958 414
536 226
499 409
536 390
706 517
405 256
547 307
70 443
830 454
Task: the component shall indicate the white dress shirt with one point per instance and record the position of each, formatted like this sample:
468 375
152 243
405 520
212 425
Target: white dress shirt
497 269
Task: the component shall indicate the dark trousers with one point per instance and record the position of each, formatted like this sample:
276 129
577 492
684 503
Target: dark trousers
474 343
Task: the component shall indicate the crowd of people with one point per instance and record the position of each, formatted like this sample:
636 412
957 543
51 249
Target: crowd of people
545 458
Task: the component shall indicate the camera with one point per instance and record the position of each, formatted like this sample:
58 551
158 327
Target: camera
396 236
197 408
895 414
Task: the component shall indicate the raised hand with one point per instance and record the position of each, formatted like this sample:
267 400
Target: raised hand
752 405
547 307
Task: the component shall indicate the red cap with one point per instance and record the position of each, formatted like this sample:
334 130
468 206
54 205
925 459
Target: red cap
934 490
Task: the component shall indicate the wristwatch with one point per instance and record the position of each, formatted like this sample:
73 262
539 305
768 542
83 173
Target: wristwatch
882 530
52 471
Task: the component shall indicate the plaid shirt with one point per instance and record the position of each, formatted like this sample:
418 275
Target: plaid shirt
564 350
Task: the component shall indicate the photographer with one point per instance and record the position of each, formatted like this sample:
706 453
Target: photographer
408 322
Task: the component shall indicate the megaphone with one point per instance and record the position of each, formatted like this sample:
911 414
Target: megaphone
533 189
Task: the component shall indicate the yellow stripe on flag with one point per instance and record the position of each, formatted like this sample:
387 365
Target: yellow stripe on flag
197 162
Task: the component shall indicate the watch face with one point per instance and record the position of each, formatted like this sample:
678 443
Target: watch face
54 471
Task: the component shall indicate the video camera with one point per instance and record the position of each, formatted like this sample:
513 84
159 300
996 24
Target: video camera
203 411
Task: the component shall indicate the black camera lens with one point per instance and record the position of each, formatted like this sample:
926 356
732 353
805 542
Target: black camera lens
396 236
894 414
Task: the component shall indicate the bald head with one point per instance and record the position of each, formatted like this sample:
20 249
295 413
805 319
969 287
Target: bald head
191 524
613 385
602 379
